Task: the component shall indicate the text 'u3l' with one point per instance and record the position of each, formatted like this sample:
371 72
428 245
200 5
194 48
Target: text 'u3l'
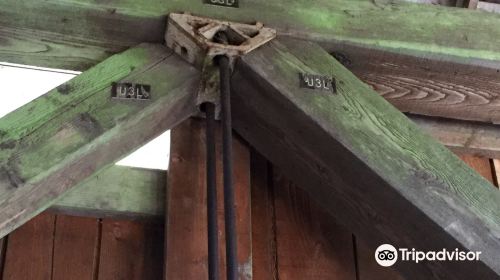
130 91
318 82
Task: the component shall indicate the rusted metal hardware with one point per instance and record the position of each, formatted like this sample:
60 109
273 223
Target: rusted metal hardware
196 39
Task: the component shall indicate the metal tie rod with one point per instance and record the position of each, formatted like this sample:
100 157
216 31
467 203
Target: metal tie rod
227 163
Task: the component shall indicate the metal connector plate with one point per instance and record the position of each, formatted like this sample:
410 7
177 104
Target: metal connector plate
195 39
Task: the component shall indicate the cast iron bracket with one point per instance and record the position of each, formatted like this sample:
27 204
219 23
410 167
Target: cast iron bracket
194 39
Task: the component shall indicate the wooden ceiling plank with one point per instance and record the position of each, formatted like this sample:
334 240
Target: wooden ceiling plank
74 34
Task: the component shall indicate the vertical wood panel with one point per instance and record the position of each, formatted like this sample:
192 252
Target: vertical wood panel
3 243
186 225
264 250
307 247
131 251
186 241
29 250
75 248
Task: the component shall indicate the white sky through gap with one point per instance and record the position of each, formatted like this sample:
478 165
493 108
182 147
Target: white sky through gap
21 84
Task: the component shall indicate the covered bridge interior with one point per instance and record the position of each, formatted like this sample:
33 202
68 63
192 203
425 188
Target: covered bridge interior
351 124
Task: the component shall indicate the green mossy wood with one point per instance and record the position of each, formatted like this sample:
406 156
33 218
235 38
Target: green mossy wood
68 134
426 59
365 162
117 192
79 33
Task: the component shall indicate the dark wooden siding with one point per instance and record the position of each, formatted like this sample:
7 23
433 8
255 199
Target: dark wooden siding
58 247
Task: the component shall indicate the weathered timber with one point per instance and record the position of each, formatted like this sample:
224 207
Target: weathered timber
365 162
117 192
79 33
66 135
488 7
186 223
427 85
133 193
424 67
463 137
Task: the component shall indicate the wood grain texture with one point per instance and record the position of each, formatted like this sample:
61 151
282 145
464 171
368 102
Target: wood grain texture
79 33
53 50
117 192
63 137
364 161
422 67
29 252
425 85
131 251
264 251
186 243
463 137
307 246
369 269
76 248
123 192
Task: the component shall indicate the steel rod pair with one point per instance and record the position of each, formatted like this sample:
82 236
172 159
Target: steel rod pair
229 208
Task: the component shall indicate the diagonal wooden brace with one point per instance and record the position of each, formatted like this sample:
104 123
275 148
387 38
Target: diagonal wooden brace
65 136
366 163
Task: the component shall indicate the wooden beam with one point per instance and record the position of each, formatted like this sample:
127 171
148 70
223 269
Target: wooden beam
488 7
447 68
365 162
473 138
427 85
80 33
68 134
117 192
131 193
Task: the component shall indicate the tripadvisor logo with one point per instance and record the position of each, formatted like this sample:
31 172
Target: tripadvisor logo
387 255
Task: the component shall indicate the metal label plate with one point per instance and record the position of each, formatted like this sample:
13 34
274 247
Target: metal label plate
130 91
225 3
318 82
